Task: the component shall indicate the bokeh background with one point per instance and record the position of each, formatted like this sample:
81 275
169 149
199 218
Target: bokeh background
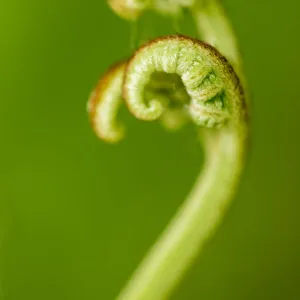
77 215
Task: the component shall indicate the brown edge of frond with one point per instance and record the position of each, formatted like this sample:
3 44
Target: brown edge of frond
95 96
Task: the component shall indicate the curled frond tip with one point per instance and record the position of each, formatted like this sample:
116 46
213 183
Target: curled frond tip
104 104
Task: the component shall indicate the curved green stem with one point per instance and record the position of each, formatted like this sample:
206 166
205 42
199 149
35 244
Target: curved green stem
194 223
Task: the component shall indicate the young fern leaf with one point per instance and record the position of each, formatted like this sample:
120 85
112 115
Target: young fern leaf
174 79
128 9
104 104
214 89
132 9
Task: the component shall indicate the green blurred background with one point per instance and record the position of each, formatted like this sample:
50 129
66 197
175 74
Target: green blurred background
77 215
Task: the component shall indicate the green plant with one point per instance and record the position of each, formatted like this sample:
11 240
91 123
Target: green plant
174 79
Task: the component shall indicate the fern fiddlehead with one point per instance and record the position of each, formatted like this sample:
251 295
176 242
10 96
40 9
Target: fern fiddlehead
128 9
104 104
183 75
